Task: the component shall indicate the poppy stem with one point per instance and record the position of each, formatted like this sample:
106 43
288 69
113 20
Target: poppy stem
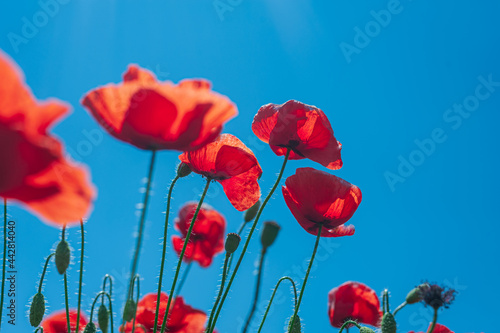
434 321
272 298
347 323
40 285
402 305
107 277
221 289
80 281
4 254
181 256
240 230
142 221
66 300
307 276
164 251
385 301
183 279
257 290
103 293
134 280
240 259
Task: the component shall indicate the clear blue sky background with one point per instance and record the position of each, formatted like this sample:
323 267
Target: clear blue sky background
440 224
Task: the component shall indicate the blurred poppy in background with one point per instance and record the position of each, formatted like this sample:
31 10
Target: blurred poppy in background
34 169
437 329
303 128
317 198
154 115
207 238
56 322
354 301
228 161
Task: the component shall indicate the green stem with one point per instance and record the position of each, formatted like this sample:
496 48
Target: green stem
181 256
103 293
39 329
183 279
402 305
307 276
240 259
80 281
142 222
385 301
272 298
4 254
221 289
347 323
66 301
164 251
107 277
257 291
43 272
434 321
240 230
136 278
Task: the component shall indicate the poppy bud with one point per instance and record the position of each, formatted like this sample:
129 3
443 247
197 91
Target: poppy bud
90 328
103 318
62 256
37 310
129 310
232 242
388 323
415 295
251 212
296 325
269 233
183 170
365 329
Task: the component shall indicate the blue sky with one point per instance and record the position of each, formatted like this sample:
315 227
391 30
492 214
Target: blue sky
412 89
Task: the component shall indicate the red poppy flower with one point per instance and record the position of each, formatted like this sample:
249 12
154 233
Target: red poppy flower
160 115
437 329
353 301
316 197
207 238
182 318
228 161
56 322
303 128
33 168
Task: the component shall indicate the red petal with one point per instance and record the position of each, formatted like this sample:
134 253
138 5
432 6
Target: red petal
56 322
265 121
135 73
243 191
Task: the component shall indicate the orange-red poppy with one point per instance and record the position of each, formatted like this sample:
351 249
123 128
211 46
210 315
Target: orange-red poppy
207 238
33 169
228 161
182 318
437 329
303 128
317 198
56 322
150 114
353 301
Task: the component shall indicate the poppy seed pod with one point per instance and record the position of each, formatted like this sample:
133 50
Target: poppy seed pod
269 233
90 328
103 318
183 170
63 255
296 325
37 310
415 295
365 329
251 212
129 310
388 323
232 242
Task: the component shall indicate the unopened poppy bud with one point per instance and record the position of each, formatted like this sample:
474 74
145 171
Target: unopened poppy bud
269 233
129 310
415 295
103 318
365 329
90 328
63 255
183 170
37 310
251 212
296 325
232 242
388 323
